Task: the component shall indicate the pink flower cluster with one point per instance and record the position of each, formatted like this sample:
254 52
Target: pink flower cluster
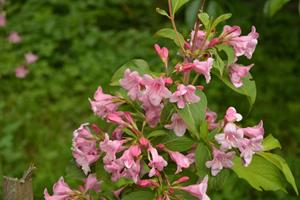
62 191
247 140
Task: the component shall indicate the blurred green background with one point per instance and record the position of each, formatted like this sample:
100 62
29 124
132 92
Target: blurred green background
81 43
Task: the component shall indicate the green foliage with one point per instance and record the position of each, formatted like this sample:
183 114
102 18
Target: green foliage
273 6
170 34
194 114
140 195
177 4
260 174
270 143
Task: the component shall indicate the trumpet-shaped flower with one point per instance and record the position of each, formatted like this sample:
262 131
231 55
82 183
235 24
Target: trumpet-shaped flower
184 94
220 160
177 124
204 68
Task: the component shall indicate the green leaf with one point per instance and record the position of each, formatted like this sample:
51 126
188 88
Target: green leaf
177 4
193 114
138 65
140 195
248 89
204 18
202 154
229 52
218 62
182 143
260 174
270 143
157 133
170 34
73 172
162 12
273 6
282 165
221 19
191 13
204 130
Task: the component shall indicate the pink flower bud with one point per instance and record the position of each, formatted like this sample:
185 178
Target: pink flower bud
187 45
159 198
160 146
200 87
168 80
162 52
147 183
213 42
96 128
171 190
144 142
182 180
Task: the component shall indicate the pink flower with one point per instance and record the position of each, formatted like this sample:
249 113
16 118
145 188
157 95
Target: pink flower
21 71
183 95
237 72
232 115
133 83
248 147
211 118
163 53
204 67
91 183
220 160
132 167
103 103
84 148
184 67
243 45
31 58
157 162
198 40
152 112
156 90
181 160
117 133
61 191
231 137
198 190
178 125
2 20
14 37
111 147
255 132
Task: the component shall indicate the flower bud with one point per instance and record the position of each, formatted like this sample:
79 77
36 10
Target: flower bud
147 183
135 150
160 146
182 180
144 142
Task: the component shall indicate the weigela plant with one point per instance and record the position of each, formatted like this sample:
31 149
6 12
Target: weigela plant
162 140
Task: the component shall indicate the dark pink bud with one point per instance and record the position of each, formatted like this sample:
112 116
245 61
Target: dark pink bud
200 87
171 190
96 128
182 180
128 117
187 45
147 183
159 198
144 142
168 80
160 146
213 42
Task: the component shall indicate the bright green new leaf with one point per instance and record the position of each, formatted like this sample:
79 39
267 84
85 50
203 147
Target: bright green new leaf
139 195
202 154
273 6
177 4
182 143
170 33
270 143
204 18
229 51
248 89
162 12
157 133
193 114
260 174
138 65
220 19
279 162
